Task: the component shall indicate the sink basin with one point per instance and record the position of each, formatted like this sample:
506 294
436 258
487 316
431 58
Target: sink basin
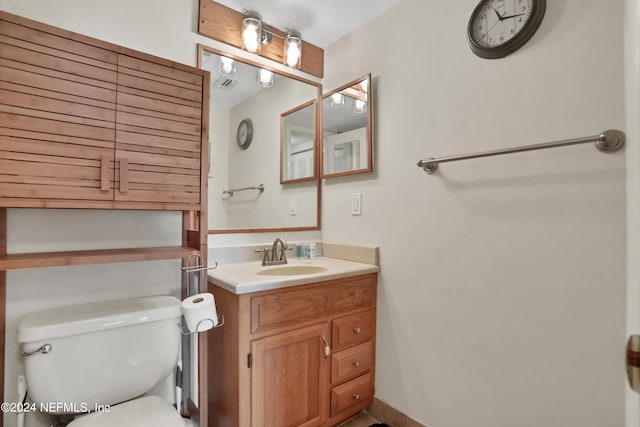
292 270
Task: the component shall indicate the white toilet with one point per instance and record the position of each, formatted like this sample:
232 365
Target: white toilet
105 355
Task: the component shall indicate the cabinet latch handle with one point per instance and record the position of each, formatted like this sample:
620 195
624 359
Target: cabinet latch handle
327 349
356 363
357 330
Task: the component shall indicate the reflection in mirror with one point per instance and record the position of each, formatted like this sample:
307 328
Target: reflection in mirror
346 129
246 108
298 143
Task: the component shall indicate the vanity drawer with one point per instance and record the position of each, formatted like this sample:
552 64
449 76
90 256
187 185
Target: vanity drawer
351 330
355 393
307 304
351 362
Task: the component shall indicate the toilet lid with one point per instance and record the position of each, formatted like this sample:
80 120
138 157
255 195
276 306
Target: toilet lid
149 411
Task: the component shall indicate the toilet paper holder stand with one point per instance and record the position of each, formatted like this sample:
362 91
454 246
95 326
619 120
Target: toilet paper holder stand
198 267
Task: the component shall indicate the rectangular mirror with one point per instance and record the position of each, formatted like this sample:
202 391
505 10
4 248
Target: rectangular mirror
245 180
298 144
347 147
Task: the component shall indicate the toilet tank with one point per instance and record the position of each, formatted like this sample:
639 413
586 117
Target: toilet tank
101 353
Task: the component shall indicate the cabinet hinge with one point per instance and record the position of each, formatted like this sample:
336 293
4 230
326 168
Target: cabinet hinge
249 360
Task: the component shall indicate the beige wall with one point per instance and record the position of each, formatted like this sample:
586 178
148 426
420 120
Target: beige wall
501 299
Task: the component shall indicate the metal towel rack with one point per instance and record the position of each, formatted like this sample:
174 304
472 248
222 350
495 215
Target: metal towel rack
230 191
608 141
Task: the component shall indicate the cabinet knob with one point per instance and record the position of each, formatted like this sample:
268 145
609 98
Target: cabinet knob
357 330
356 363
356 397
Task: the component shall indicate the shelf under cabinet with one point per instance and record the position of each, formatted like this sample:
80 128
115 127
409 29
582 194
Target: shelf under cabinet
100 256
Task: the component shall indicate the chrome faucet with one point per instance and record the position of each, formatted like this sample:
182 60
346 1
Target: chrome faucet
275 258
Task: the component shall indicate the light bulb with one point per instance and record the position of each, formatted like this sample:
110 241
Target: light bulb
252 32
292 50
360 106
227 66
265 78
337 100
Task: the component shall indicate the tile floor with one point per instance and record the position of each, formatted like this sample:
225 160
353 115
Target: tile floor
362 420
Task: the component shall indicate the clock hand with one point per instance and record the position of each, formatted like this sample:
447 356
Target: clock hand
500 18
512 16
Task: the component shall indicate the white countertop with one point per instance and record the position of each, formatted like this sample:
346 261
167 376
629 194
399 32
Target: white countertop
244 277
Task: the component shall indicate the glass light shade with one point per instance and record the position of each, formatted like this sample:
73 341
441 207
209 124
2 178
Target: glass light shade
360 106
252 32
292 57
336 100
365 86
265 78
226 66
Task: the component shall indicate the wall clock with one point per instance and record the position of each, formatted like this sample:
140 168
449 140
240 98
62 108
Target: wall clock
498 28
244 134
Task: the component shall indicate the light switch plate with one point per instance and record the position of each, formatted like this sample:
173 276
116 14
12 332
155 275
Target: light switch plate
293 206
356 203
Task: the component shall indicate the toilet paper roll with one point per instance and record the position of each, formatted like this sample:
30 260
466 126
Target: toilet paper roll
199 312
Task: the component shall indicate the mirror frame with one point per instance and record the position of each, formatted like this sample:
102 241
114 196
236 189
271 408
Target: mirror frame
317 158
369 113
316 119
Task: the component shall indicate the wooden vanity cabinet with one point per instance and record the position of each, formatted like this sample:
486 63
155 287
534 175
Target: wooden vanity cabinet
297 356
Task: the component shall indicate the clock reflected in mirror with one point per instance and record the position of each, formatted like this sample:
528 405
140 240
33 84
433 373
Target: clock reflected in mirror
498 28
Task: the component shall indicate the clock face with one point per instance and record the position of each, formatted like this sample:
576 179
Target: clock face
245 133
499 27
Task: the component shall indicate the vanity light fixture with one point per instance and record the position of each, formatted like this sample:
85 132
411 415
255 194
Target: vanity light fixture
255 34
336 100
360 106
292 49
265 78
252 37
226 66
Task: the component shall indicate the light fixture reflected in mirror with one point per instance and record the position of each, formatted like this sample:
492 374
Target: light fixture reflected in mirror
336 100
265 78
252 31
292 49
226 66
359 106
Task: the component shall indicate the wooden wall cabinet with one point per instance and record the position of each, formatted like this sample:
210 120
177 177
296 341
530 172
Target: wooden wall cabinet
299 356
87 124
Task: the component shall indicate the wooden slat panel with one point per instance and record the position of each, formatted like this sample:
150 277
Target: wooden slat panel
60 117
156 132
158 196
160 187
154 150
43 93
54 192
166 170
152 68
28 101
56 84
188 181
55 181
159 96
57 74
14 121
41 136
174 127
142 142
66 203
32 168
153 87
146 75
112 66
159 115
56 63
159 106
51 40
158 160
22 145
55 159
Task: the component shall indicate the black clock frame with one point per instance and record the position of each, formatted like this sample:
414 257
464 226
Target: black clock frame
247 143
538 9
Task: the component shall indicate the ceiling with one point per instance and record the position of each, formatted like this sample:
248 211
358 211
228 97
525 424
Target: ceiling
320 22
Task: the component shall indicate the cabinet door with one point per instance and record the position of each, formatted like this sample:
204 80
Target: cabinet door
289 379
57 116
158 133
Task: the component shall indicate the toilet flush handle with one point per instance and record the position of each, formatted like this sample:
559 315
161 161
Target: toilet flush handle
44 350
